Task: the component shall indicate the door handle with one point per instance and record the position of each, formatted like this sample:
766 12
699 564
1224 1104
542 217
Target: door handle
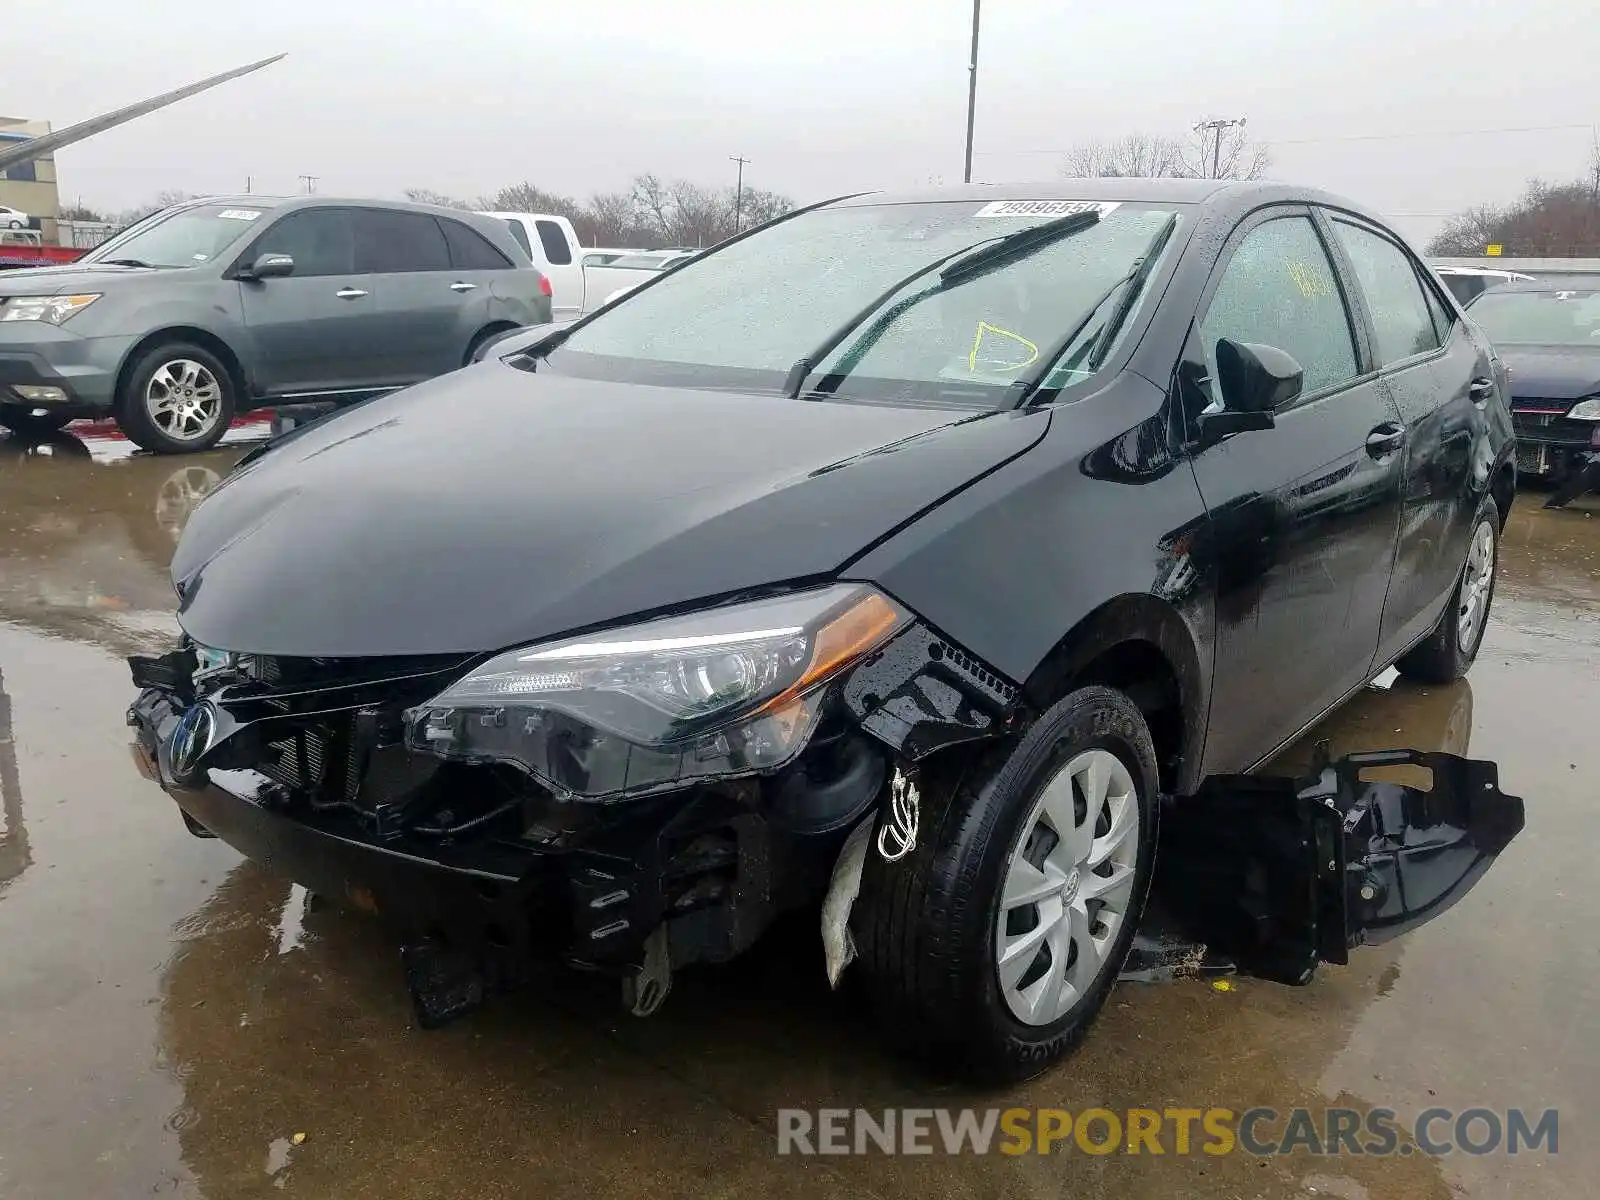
350 293
463 287
1480 390
1385 439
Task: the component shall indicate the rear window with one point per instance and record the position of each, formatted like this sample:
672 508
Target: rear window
389 242
554 240
470 250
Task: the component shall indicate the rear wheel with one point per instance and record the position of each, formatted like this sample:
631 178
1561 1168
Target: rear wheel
1449 651
995 943
19 418
176 399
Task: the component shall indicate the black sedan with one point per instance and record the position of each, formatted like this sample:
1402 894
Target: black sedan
903 558
1549 333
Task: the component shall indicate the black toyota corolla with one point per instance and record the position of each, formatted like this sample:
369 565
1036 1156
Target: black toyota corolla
906 558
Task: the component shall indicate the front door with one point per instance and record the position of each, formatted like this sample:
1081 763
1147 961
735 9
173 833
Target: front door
1440 380
1302 518
318 331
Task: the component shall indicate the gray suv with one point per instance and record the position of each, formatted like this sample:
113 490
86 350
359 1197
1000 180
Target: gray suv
212 307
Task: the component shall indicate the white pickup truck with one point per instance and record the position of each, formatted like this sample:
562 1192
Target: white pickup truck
579 286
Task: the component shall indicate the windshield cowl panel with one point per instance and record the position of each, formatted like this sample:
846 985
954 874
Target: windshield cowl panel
743 317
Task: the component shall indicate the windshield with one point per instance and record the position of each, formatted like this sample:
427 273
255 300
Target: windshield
742 317
188 237
1553 318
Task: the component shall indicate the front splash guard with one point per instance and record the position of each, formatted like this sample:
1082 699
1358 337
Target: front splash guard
1280 874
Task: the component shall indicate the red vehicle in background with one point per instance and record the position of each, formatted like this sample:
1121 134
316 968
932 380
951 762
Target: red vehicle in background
26 248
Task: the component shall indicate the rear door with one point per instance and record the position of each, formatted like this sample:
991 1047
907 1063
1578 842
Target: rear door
1440 382
1302 518
424 324
319 330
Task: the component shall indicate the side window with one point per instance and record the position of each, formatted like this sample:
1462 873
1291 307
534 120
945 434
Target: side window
520 236
469 250
1279 289
1444 317
318 239
556 251
1400 317
389 242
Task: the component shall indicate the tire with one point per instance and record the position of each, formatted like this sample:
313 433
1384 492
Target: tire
1449 651
482 338
19 418
15 224
929 927
182 374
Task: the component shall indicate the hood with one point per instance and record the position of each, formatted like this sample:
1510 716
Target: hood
1552 372
72 277
494 507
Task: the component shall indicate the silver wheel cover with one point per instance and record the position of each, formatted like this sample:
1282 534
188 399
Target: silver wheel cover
1472 602
183 400
1067 887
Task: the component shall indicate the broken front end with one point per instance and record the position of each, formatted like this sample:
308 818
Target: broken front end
637 800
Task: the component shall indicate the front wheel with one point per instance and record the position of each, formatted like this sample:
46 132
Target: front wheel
176 399
1448 652
995 943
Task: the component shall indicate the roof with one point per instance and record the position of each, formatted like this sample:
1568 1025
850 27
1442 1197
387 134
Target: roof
1227 195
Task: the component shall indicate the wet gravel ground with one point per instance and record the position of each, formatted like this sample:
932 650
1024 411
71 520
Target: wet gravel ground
171 1016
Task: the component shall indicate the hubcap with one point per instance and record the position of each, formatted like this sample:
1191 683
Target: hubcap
1067 887
184 400
1473 604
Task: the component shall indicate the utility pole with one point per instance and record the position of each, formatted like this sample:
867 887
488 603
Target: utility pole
972 91
310 182
1215 128
738 191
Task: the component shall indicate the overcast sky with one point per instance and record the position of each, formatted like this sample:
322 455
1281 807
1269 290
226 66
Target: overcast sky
380 95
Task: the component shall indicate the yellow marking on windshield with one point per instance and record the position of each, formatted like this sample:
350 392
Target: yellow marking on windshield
977 344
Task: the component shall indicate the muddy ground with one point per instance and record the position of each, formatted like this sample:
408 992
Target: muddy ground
171 1016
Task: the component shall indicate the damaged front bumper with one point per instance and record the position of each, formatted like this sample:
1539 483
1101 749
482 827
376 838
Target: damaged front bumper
1265 875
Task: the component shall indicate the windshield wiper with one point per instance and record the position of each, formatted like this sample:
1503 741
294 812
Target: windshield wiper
959 266
129 262
1129 285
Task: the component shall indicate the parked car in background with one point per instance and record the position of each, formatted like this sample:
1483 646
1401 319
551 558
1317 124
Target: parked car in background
226 304
1008 518
601 256
1548 331
1465 283
579 285
14 218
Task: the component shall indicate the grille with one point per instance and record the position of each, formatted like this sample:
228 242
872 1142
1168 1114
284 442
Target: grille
1552 428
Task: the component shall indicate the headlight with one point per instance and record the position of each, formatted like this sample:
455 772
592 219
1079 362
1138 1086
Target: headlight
1586 410
54 309
724 692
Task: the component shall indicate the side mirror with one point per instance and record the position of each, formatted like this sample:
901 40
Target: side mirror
1256 380
269 266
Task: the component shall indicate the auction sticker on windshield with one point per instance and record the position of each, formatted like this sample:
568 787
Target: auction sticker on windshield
1045 208
238 214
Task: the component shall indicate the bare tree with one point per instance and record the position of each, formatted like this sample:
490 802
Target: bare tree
1132 156
1546 221
428 196
1157 156
1237 156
